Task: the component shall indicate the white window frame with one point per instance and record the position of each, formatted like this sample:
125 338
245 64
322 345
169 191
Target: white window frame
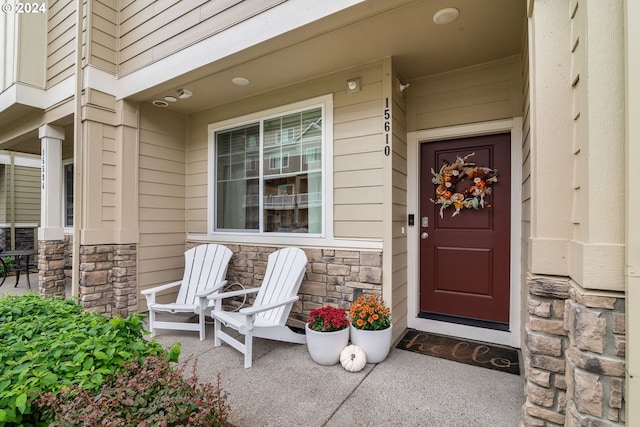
325 102
65 163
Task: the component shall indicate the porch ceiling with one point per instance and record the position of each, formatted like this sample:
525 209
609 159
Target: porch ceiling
485 30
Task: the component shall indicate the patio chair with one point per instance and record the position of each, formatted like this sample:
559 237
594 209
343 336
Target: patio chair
205 268
267 316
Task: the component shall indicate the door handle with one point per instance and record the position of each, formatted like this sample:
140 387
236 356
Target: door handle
424 235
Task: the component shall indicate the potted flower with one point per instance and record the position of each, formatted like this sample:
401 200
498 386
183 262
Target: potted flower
327 334
371 327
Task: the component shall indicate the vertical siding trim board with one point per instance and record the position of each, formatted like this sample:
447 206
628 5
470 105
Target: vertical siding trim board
394 150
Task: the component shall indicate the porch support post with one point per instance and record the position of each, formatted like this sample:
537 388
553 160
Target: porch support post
51 227
632 203
51 279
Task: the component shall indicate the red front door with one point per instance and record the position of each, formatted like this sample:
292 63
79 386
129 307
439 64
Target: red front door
465 259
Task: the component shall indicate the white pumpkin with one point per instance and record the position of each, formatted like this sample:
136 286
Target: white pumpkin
353 358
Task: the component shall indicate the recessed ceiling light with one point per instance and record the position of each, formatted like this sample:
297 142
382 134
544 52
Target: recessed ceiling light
170 98
240 81
159 103
446 16
184 94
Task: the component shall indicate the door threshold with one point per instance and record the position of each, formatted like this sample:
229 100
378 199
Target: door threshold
485 324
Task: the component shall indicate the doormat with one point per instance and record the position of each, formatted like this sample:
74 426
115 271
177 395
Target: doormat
474 353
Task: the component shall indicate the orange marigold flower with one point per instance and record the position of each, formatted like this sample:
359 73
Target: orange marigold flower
375 316
370 319
363 313
360 322
371 310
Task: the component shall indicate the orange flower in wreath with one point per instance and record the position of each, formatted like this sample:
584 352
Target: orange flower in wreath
472 197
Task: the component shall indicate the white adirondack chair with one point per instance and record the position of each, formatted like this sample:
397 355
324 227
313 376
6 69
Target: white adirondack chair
267 316
205 268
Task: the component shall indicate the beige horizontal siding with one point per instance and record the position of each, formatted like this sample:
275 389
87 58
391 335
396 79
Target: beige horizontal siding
357 149
27 194
4 193
100 99
357 178
356 229
60 41
150 31
358 159
161 200
102 50
484 92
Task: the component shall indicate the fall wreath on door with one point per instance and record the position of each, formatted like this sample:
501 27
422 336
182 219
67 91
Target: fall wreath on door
480 181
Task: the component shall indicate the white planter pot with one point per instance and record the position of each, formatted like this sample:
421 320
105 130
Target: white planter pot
375 344
325 347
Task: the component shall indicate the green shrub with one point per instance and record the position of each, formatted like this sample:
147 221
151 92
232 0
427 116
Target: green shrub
48 344
148 394
9 262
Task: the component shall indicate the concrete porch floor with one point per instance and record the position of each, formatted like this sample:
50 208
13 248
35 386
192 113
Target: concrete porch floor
286 388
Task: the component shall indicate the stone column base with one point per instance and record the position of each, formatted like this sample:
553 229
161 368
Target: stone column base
108 279
51 279
574 355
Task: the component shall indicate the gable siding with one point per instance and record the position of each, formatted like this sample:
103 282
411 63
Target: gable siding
357 151
153 30
60 41
161 198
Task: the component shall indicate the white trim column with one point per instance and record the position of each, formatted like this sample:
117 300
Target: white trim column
51 225
632 262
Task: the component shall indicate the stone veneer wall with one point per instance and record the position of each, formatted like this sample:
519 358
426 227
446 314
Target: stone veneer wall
68 254
108 282
333 276
574 356
51 280
25 238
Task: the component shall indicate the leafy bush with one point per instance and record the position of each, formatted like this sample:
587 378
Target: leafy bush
9 262
148 394
48 344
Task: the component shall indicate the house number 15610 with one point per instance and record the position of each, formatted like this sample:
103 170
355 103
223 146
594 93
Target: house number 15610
387 127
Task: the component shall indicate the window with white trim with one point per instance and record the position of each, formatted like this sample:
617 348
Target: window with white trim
68 195
268 174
